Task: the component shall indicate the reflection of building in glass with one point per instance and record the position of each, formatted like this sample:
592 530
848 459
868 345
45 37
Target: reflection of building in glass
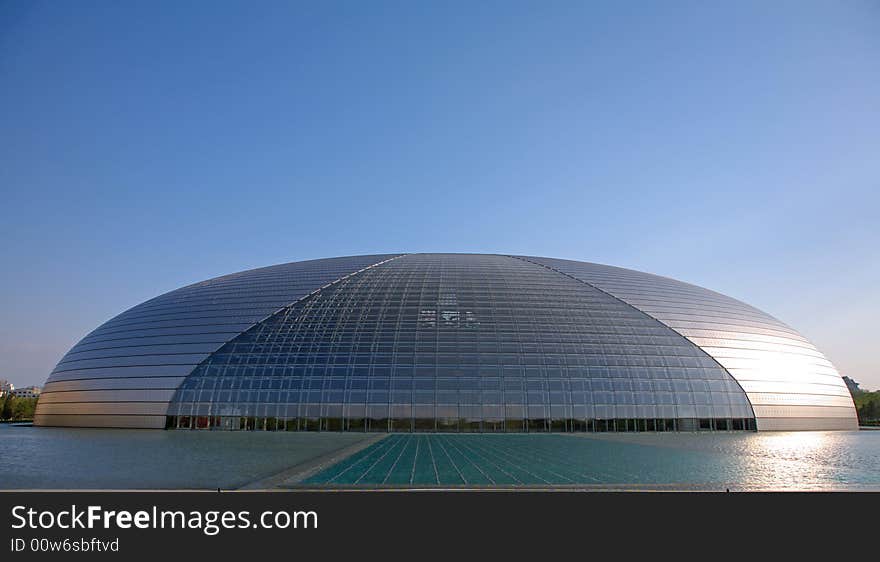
445 342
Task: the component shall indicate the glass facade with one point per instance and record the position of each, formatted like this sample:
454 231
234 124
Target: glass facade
456 342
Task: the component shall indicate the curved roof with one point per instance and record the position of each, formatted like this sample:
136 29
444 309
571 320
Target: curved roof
128 371
785 377
131 364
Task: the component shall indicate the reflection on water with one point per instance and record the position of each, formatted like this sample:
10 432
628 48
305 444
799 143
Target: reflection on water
806 460
93 458
813 460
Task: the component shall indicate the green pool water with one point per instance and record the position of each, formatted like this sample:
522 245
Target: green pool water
812 460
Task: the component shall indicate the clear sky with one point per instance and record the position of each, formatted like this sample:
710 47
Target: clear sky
147 145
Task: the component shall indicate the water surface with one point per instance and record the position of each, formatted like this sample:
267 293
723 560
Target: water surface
739 461
61 458
69 458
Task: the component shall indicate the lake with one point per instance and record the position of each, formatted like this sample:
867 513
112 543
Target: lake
63 458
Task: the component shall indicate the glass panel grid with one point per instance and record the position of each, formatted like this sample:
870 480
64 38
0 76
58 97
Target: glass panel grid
452 342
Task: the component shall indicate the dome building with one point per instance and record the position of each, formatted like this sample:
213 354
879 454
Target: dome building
445 343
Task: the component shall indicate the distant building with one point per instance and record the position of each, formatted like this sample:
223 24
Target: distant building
27 392
852 385
5 387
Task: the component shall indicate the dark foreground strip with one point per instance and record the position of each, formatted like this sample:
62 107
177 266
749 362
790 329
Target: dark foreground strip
454 525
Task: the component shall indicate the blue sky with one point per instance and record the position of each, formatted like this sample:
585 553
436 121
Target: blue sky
147 145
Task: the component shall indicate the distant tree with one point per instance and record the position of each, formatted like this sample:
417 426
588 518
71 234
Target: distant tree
870 411
8 406
868 407
23 408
